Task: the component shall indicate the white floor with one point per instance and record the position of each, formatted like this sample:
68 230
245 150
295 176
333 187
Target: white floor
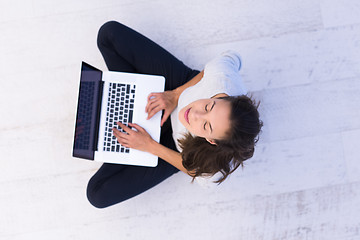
301 58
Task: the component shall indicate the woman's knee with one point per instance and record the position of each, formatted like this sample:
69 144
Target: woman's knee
95 196
105 31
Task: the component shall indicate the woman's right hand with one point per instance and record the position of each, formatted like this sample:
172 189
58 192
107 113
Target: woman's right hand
166 101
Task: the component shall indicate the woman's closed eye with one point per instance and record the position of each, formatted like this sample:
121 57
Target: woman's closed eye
208 127
206 106
206 110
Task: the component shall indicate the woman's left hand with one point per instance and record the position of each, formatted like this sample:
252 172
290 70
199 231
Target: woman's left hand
166 101
139 139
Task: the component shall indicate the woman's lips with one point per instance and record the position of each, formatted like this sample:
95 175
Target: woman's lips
186 115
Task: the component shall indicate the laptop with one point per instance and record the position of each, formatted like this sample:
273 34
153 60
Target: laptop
106 98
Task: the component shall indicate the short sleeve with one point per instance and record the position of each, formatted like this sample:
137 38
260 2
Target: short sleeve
227 62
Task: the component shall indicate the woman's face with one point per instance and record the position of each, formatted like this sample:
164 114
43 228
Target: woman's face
207 118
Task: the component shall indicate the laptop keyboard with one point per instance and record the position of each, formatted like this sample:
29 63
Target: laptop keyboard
119 109
86 102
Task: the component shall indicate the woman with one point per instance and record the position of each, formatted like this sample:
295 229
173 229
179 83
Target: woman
213 131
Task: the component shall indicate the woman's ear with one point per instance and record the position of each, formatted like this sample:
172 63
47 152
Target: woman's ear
211 141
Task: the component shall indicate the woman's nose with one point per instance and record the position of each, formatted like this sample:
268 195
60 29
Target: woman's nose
199 115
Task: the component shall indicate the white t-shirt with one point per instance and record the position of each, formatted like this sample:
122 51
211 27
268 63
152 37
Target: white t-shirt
221 75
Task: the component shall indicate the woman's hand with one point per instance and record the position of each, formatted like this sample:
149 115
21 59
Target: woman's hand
166 101
139 139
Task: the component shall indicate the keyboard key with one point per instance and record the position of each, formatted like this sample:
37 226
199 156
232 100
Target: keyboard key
130 116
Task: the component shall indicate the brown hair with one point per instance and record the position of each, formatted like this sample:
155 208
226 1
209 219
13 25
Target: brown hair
202 158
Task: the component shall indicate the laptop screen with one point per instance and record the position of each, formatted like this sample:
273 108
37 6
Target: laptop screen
88 112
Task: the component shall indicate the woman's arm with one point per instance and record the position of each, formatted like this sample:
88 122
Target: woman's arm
169 155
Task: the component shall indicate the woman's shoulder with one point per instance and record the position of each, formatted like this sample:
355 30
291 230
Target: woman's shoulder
226 62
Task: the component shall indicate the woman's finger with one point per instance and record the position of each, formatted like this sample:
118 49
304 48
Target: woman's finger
119 134
137 127
117 131
148 105
154 100
154 111
165 117
121 138
124 127
153 95
155 107
152 105
124 143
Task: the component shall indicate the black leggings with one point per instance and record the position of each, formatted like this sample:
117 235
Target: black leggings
128 51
